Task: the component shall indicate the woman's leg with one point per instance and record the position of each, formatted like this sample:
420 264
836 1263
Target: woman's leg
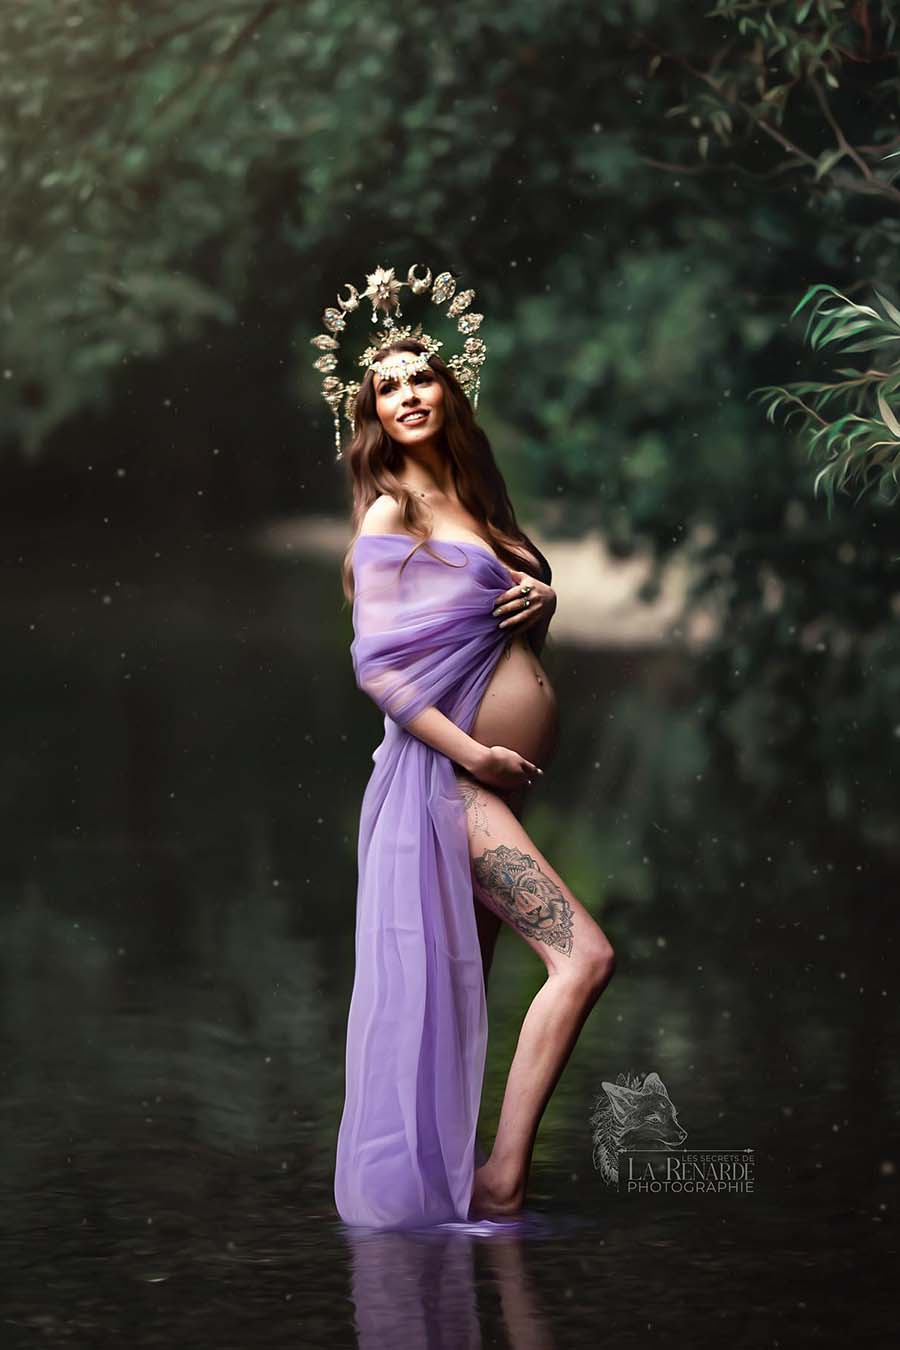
489 923
489 926
515 882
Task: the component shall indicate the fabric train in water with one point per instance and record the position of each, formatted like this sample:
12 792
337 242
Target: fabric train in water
417 1023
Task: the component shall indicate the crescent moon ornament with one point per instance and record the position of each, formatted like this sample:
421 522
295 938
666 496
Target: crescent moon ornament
416 284
353 303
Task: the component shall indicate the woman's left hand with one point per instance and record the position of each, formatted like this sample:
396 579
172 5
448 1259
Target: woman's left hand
510 606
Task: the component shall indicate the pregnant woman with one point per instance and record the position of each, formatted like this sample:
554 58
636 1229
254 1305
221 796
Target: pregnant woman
451 606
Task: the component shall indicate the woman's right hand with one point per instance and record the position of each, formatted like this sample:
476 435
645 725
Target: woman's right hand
500 767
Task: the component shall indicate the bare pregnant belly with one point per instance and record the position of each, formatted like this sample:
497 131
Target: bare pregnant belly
519 707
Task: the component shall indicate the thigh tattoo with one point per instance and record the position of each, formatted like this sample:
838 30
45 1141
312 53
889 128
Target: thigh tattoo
526 896
473 803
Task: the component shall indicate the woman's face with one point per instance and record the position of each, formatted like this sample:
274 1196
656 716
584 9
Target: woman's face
411 409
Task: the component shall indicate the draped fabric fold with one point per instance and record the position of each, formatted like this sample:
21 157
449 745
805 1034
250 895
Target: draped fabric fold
417 1022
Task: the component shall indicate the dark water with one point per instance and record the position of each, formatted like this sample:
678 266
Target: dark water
184 754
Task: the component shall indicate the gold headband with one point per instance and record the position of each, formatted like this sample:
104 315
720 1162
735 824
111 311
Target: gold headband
383 289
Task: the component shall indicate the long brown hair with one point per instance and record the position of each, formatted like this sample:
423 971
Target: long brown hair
374 459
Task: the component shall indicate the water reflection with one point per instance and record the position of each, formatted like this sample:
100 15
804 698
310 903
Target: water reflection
414 1290
183 768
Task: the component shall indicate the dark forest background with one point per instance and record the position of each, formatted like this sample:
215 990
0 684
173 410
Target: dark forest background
642 195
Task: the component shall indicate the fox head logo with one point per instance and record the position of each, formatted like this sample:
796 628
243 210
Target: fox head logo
636 1111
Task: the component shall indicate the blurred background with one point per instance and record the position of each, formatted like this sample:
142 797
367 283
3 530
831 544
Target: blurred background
650 199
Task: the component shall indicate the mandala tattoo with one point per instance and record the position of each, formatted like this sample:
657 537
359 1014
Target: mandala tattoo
474 803
526 896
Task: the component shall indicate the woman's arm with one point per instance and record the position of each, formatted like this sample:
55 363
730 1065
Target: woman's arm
436 730
494 765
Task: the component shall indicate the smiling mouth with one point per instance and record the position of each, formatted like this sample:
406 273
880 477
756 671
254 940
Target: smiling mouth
413 417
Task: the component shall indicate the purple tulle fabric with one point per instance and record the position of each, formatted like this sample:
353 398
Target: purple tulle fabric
417 1023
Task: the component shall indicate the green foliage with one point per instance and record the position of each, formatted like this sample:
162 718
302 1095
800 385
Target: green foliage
853 444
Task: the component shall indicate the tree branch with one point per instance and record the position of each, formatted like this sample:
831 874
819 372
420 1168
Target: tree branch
839 135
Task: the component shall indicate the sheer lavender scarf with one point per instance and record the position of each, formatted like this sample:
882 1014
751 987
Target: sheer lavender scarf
417 1023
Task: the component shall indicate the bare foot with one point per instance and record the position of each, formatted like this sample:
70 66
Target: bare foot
492 1196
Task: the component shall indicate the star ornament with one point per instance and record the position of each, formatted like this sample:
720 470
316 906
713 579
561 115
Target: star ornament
383 290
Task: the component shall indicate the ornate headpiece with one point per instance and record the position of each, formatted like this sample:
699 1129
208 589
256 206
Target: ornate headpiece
383 290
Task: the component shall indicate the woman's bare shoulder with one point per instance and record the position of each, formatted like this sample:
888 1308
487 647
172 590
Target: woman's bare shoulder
382 517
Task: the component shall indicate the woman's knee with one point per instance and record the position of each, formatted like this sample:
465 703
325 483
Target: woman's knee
596 966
